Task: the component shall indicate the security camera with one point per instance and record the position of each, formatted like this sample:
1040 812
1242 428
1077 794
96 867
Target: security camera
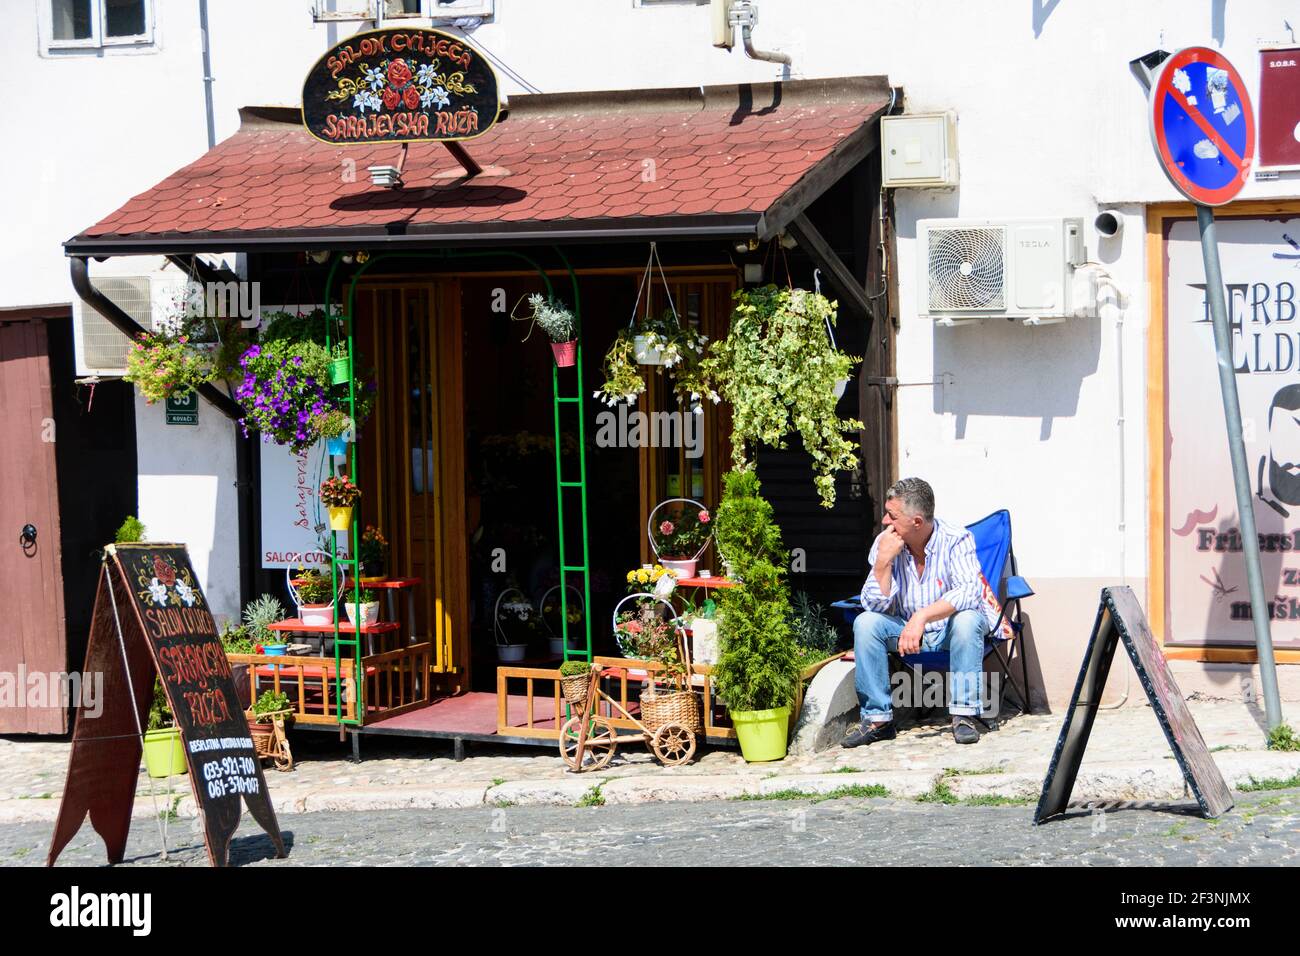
1108 224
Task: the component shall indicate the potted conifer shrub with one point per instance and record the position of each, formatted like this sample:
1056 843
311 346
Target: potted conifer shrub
757 674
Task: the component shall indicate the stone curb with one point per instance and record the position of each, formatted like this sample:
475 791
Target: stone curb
1160 781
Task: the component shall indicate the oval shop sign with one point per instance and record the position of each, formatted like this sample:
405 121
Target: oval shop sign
400 86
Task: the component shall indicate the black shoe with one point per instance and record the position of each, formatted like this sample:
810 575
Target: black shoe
964 730
868 733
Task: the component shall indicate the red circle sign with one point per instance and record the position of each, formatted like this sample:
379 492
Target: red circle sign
1202 125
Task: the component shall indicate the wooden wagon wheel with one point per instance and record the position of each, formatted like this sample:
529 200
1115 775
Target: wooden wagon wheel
673 744
598 749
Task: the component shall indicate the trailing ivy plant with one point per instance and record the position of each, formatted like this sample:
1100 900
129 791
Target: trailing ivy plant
758 663
778 370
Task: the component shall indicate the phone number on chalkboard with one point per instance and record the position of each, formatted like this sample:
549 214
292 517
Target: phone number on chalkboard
230 775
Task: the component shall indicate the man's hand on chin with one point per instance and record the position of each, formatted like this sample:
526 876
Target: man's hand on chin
890 545
909 641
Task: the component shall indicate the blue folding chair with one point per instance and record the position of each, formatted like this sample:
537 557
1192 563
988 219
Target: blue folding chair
996 557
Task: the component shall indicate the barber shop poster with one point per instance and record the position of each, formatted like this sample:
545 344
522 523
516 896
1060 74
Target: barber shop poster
1208 599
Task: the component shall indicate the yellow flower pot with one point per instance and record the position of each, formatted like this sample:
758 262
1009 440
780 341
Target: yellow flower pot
340 519
763 734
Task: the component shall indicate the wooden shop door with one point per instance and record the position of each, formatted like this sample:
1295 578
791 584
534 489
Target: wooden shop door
33 640
412 453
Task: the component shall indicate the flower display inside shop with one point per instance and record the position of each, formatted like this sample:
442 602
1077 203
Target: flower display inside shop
681 531
645 579
339 492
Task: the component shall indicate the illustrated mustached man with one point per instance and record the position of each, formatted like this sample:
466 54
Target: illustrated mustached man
1283 458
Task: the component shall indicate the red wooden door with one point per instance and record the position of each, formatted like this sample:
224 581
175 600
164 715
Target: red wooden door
33 641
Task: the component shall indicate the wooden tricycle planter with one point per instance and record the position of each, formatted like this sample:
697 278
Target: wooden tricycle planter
588 741
269 739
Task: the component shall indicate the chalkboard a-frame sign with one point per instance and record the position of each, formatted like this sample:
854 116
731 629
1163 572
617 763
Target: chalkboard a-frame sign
400 86
150 618
1120 621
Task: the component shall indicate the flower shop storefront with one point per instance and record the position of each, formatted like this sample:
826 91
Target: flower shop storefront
473 507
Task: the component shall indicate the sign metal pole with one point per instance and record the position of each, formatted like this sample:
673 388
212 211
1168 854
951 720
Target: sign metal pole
1240 474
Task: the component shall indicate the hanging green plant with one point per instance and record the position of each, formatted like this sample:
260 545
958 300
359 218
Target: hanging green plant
623 380
679 351
778 370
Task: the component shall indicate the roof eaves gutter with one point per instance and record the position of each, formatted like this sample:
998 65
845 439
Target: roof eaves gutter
738 226
132 329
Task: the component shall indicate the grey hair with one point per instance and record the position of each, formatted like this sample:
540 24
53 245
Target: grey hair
916 495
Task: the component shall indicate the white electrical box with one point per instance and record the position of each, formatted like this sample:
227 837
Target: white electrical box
1027 269
919 149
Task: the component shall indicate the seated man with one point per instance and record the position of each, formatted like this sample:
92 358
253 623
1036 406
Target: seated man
924 593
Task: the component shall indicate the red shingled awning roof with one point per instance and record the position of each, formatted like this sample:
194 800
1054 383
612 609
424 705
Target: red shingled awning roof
714 161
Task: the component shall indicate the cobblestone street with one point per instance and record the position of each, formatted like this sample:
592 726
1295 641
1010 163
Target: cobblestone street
1263 830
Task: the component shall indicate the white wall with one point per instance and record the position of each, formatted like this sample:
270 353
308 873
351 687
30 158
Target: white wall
1051 122
187 495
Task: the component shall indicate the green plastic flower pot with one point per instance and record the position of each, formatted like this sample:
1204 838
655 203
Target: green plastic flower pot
340 371
763 734
164 753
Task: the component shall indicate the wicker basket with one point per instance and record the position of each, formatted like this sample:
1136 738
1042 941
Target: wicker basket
575 688
659 707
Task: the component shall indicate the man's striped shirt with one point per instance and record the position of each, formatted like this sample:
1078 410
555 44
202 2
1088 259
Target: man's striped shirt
952 574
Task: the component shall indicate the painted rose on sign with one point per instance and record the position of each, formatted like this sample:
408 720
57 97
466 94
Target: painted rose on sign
399 86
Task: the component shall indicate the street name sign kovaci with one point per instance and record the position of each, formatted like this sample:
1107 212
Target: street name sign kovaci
400 86
1202 125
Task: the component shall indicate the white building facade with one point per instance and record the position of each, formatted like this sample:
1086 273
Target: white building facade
1099 433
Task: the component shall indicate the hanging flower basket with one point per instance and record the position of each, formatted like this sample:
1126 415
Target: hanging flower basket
566 353
340 371
679 535
339 495
552 606
644 353
340 519
513 621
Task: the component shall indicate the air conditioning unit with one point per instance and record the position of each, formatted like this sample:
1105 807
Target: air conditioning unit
100 347
1025 269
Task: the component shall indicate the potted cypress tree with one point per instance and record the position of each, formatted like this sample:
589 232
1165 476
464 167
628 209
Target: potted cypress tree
757 674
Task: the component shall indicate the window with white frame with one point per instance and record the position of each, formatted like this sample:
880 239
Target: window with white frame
382 11
76 24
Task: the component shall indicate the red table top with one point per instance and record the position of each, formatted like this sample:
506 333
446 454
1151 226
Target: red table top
386 584
296 625
714 582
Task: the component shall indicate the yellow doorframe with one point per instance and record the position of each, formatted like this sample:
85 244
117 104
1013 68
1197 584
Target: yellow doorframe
1158 216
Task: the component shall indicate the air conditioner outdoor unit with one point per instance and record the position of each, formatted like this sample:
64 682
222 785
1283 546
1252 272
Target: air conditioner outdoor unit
1025 269
100 347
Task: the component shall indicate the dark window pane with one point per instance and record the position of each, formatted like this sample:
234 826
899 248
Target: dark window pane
124 18
71 19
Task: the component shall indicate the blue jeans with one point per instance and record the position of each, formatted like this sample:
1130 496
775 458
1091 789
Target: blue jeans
875 635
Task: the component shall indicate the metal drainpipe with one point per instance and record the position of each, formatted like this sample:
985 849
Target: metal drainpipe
220 400
770 56
207 72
